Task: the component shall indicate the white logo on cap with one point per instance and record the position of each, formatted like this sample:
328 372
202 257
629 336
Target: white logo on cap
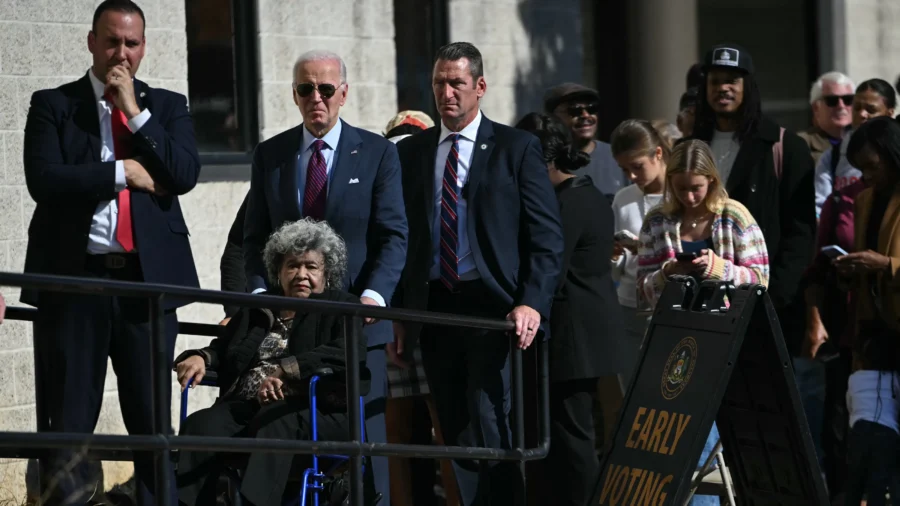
726 57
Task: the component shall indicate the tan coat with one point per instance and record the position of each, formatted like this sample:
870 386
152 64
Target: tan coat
818 142
887 283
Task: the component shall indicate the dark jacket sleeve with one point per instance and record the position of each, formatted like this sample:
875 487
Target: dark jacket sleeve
331 352
541 246
231 266
389 228
257 226
172 149
47 177
214 353
798 222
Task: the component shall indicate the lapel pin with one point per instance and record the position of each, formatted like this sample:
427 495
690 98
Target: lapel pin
143 94
484 146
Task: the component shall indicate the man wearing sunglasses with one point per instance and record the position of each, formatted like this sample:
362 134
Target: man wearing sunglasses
328 170
831 99
578 107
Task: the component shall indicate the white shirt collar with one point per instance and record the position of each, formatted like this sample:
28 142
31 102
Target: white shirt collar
331 138
470 132
97 85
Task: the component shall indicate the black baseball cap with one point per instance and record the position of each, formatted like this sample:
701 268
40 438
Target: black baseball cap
728 56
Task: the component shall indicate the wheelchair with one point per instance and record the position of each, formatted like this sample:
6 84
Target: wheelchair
314 480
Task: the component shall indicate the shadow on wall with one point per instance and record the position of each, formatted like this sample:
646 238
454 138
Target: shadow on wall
555 52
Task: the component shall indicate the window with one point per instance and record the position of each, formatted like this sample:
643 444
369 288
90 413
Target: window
420 30
221 52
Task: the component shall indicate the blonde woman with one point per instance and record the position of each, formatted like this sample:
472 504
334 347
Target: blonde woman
698 231
698 220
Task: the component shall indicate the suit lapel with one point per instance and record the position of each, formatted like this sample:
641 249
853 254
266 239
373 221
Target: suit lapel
140 94
343 167
484 146
429 178
86 116
288 171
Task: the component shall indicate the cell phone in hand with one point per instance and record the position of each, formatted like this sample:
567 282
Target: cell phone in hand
626 239
833 251
686 257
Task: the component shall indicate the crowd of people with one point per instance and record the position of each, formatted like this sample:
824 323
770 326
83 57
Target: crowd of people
570 238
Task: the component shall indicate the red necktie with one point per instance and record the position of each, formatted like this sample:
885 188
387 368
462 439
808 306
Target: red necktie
314 196
122 147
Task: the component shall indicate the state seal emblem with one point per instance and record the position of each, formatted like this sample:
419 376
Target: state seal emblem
679 368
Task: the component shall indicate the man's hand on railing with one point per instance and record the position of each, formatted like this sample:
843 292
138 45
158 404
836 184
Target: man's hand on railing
191 367
225 321
2 308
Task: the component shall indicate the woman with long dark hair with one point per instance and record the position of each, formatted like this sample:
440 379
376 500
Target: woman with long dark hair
585 321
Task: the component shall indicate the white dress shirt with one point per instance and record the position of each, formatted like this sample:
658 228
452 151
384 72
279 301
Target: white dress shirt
466 263
102 236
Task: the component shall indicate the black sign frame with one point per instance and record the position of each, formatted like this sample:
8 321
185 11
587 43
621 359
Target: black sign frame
749 390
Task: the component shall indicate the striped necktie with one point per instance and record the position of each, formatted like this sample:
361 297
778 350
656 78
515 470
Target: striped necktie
449 223
314 195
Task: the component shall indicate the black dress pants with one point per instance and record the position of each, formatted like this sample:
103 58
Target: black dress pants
75 336
572 464
265 475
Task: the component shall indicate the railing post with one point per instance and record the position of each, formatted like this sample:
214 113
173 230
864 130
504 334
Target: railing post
160 383
351 354
518 404
544 393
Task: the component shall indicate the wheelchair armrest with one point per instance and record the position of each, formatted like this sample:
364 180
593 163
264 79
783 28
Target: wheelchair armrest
323 371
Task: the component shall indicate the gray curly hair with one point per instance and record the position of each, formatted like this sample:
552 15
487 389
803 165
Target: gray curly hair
298 237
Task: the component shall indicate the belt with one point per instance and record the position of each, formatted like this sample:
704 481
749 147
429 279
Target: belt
112 261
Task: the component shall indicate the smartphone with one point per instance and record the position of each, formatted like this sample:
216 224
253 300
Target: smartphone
626 239
686 257
833 251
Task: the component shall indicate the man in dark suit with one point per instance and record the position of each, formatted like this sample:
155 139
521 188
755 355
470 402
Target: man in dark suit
105 158
485 240
329 170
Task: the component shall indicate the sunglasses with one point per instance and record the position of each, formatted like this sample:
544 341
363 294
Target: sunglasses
577 110
325 89
832 100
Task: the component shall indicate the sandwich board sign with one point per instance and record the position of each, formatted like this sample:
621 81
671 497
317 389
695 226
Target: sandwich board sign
711 353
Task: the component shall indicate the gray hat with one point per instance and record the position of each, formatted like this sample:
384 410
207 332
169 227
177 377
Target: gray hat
568 92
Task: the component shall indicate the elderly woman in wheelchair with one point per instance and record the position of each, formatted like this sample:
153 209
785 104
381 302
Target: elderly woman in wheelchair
264 362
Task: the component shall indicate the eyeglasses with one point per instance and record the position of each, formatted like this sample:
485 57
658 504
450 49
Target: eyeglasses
327 90
577 110
832 100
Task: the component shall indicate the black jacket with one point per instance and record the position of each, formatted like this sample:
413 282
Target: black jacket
316 341
785 211
587 332
231 266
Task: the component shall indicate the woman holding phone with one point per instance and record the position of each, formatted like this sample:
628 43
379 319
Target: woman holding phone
642 154
698 231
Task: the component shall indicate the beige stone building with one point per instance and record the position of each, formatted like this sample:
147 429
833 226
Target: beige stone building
233 59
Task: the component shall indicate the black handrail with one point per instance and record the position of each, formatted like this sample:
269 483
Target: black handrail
161 442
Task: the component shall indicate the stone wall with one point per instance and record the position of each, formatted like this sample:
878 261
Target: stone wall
872 39
362 33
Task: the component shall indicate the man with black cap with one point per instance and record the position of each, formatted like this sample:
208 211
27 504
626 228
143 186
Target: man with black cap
577 107
764 167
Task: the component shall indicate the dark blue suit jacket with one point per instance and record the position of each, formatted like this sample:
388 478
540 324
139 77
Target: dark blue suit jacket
67 180
513 223
368 214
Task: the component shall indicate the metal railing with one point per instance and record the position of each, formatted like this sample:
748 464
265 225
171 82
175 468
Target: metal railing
161 443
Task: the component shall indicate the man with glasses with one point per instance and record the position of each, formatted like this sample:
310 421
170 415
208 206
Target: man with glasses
328 170
578 107
831 99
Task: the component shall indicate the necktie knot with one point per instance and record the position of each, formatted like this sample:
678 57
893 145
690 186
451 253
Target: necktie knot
318 145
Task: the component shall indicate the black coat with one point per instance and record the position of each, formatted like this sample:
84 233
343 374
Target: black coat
785 211
231 265
587 338
316 341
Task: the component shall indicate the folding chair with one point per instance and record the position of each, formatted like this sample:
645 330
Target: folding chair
706 482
